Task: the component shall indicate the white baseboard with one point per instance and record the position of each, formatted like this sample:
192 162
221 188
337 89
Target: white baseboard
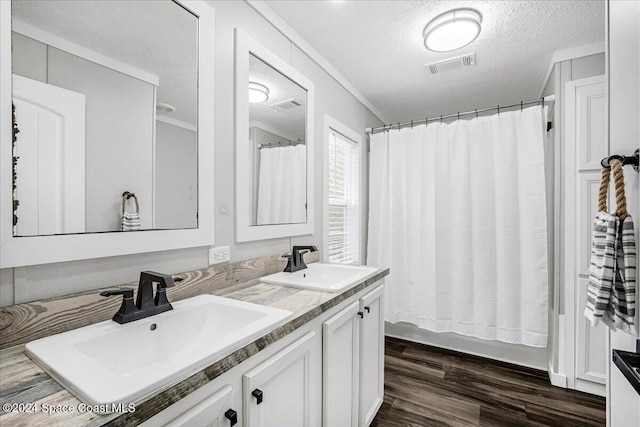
558 380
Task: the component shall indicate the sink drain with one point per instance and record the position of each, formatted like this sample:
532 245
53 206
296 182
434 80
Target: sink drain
153 327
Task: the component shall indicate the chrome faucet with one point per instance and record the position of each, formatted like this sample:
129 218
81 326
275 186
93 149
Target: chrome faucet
296 261
146 304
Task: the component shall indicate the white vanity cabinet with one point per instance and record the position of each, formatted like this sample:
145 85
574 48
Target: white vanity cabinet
371 355
279 391
210 406
328 372
214 411
353 362
340 360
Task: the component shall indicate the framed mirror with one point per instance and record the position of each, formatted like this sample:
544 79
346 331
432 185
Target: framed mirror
105 133
274 145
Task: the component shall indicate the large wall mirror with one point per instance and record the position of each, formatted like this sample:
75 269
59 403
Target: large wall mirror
274 145
101 124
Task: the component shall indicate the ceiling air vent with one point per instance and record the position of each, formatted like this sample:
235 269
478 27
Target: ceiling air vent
285 105
452 63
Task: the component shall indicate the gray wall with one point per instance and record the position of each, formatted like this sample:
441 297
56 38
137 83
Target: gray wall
119 128
175 177
37 282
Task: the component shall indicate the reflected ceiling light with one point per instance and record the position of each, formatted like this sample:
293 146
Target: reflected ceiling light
257 93
452 30
165 108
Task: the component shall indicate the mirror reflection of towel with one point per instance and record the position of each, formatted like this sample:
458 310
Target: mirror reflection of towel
131 221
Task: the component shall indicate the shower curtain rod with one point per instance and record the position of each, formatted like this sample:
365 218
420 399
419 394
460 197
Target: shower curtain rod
284 144
545 100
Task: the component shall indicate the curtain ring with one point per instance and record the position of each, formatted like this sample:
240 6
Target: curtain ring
498 109
521 106
411 124
458 115
440 118
476 113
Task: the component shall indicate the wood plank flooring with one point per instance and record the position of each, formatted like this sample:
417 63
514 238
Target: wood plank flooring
427 386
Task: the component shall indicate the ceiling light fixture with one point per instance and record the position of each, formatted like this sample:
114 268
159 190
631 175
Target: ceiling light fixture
163 107
452 30
258 93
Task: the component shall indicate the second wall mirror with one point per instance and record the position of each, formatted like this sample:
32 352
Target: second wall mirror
274 145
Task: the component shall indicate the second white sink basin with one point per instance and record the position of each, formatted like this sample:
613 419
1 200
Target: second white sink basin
321 277
110 363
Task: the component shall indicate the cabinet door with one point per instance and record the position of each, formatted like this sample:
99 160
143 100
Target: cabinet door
276 392
371 355
214 411
340 368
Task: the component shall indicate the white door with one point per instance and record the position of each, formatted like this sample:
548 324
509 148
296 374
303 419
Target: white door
587 142
214 411
277 392
51 165
340 368
371 355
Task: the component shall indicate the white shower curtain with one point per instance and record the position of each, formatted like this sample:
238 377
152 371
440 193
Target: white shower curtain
458 213
282 186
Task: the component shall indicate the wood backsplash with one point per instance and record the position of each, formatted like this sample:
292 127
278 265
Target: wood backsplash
26 322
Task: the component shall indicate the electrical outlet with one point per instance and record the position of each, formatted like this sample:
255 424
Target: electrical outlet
218 255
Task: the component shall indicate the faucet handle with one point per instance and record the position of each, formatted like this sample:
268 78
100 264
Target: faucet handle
126 308
127 293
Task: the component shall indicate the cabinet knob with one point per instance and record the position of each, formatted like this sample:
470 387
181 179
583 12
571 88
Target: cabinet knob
368 309
257 393
232 416
361 314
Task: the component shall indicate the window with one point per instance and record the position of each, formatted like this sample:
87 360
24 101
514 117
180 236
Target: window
342 237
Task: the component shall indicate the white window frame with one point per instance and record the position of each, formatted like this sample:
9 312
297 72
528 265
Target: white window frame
333 125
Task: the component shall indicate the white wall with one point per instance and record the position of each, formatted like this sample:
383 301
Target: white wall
37 282
623 403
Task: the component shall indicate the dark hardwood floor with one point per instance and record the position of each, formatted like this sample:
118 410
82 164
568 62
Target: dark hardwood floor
429 386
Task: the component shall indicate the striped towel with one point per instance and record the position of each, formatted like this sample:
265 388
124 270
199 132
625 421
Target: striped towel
131 221
612 273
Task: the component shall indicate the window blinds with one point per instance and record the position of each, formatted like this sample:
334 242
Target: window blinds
343 183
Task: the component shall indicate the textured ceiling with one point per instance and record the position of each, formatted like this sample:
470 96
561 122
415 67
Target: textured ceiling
377 46
159 37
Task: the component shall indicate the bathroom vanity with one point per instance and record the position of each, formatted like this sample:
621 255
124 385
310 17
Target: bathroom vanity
323 365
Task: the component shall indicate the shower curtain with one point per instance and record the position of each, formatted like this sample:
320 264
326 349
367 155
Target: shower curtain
458 213
282 186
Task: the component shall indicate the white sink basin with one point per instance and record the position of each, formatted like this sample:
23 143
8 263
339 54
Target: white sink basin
110 363
321 277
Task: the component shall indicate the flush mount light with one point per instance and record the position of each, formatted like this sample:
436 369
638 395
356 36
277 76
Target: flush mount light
257 93
452 30
165 108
